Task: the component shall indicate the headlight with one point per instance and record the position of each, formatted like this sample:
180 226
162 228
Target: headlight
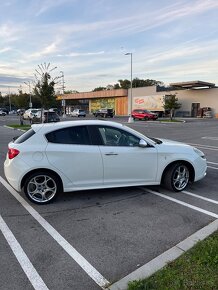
199 152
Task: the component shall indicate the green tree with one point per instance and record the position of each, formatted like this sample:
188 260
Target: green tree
44 88
99 89
171 104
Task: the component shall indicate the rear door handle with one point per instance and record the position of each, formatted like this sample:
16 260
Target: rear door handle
110 154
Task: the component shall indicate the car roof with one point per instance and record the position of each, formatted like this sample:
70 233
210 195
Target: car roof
46 127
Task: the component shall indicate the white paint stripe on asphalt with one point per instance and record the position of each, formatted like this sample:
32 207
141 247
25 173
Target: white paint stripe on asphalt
203 145
206 148
201 197
22 258
212 167
80 260
215 163
183 203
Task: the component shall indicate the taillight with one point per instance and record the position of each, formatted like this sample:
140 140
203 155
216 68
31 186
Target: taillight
12 153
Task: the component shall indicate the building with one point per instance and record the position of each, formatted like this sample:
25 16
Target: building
193 96
92 101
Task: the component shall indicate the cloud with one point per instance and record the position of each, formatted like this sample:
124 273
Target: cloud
50 49
46 5
74 54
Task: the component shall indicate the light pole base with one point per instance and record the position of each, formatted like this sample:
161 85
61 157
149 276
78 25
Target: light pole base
130 120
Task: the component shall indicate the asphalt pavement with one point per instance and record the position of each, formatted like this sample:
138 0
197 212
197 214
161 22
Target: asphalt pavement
88 239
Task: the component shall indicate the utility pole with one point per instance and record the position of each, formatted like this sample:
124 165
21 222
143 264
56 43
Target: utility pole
63 102
30 102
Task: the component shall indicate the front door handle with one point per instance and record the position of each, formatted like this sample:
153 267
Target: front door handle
110 154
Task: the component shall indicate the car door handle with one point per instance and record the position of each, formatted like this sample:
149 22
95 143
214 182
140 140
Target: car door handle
110 154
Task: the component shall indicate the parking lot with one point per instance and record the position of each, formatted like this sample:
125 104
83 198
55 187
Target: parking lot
89 239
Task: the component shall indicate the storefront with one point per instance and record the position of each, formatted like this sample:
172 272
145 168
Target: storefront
92 101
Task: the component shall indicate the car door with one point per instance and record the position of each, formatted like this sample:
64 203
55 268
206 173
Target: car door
125 163
69 149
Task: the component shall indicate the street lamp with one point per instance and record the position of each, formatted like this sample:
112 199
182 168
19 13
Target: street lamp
9 98
28 84
130 120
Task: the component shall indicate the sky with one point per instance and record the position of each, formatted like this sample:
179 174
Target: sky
170 41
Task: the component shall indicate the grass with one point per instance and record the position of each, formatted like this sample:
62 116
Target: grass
22 127
196 269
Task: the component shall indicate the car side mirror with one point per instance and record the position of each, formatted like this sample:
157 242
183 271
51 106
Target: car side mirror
143 143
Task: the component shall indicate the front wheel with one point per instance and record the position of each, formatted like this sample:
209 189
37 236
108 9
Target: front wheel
177 177
42 187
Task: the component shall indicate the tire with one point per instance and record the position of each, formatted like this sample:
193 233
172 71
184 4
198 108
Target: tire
42 187
177 177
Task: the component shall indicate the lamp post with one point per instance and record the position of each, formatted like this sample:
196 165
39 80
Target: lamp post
63 100
9 98
28 84
130 120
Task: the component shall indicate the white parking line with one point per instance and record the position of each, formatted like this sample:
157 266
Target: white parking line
201 197
205 147
215 163
22 258
183 203
78 258
212 167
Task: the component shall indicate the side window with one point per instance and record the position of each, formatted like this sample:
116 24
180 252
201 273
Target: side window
71 135
117 137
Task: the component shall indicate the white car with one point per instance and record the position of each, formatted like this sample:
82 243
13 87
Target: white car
2 113
78 155
30 113
78 113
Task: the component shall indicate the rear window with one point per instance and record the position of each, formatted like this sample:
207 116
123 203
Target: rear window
25 136
70 135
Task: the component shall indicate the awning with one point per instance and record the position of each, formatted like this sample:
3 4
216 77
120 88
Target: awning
193 85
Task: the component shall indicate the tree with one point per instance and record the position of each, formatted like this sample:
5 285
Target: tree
99 89
171 103
44 88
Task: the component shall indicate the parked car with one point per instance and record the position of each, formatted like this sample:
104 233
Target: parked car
20 112
2 113
144 115
46 117
104 113
29 114
4 110
78 113
79 155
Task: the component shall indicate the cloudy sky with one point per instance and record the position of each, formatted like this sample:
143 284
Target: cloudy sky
171 40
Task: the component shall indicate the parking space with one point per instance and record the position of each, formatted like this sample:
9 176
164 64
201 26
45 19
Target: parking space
86 239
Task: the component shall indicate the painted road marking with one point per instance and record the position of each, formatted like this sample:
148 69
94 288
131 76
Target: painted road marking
77 257
210 138
22 258
183 203
205 147
212 167
214 163
201 197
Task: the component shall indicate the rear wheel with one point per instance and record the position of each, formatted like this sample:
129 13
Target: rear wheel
177 177
42 187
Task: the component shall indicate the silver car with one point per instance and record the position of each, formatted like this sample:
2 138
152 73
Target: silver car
78 113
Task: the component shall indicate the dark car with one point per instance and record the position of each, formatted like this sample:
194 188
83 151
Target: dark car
142 114
104 113
47 117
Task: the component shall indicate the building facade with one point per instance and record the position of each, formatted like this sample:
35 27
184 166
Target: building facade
191 95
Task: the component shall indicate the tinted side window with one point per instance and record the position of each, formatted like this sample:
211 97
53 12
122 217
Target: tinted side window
117 137
24 136
71 135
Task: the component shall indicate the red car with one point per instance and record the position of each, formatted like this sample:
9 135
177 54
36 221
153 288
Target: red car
142 114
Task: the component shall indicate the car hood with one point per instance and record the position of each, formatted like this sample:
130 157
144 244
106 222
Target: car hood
165 145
